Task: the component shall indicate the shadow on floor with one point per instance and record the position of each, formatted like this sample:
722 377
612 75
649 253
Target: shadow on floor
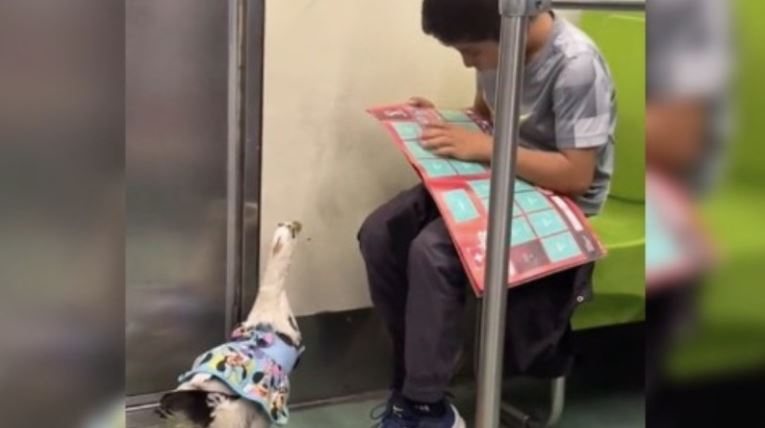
604 390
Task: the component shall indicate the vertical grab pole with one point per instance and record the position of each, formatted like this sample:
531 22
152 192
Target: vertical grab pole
515 21
252 137
235 162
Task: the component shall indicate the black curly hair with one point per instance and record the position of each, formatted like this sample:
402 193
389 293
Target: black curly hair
459 21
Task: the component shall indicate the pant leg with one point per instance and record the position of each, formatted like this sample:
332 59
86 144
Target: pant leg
538 331
667 313
384 240
434 312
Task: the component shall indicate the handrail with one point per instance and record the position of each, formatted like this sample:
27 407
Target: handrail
627 5
235 165
493 314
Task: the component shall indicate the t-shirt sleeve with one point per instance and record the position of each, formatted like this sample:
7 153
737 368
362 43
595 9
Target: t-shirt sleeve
583 104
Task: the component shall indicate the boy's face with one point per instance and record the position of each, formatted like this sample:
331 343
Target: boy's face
483 55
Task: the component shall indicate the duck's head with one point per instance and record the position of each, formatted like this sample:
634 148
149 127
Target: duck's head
284 239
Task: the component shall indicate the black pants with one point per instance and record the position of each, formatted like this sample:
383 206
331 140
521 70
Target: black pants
419 288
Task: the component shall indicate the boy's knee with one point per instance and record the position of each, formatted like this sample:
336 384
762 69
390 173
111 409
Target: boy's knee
373 232
434 260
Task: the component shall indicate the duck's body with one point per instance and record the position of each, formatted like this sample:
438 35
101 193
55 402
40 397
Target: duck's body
245 383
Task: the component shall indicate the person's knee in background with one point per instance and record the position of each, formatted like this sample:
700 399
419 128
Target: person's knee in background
373 237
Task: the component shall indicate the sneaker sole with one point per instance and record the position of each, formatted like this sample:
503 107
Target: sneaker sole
459 422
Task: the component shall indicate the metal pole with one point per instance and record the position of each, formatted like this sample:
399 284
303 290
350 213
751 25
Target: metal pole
253 143
235 164
626 5
509 86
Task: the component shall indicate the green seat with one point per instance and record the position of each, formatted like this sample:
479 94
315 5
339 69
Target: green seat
619 279
731 329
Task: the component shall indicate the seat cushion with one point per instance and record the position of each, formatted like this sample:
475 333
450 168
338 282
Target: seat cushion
730 335
619 279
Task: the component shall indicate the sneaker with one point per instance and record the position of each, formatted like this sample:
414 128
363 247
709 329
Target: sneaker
400 415
381 410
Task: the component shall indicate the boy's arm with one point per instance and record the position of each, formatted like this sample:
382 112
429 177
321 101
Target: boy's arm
584 116
569 172
480 107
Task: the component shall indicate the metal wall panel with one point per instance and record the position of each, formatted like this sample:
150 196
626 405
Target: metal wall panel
61 206
176 111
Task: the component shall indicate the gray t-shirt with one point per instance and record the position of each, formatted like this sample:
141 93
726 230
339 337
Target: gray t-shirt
568 102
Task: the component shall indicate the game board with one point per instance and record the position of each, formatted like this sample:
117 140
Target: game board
678 248
549 233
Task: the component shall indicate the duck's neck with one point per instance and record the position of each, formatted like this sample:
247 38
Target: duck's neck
272 286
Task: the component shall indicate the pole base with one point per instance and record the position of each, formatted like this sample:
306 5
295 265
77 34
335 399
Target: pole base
512 416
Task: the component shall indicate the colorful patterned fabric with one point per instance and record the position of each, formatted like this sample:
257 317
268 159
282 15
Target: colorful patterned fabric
256 365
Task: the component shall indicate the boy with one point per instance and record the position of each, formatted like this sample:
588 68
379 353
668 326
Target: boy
416 280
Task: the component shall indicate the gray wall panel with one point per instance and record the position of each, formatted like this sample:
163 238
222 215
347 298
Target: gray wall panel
176 76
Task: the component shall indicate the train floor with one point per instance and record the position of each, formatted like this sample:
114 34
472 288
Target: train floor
585 407
604 390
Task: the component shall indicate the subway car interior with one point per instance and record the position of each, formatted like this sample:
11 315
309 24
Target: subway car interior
248 134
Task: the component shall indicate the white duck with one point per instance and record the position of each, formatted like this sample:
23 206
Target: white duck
245 383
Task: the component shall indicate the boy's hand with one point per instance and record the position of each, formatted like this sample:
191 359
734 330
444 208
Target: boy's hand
456 142
420 102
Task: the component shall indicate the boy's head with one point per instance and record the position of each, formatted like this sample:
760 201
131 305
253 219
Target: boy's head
470 26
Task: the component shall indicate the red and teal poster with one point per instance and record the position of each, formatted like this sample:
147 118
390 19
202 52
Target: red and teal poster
549 232
678 246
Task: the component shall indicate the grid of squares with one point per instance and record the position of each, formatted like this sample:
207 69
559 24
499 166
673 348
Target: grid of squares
662 251
537 225
454 115
516 209
482 188
534 219
532 201
437 168
407 131
460 206
547 222
470 126
561 247
546 225
434 166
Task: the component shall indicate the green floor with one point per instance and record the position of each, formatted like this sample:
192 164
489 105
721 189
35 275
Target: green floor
585 407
